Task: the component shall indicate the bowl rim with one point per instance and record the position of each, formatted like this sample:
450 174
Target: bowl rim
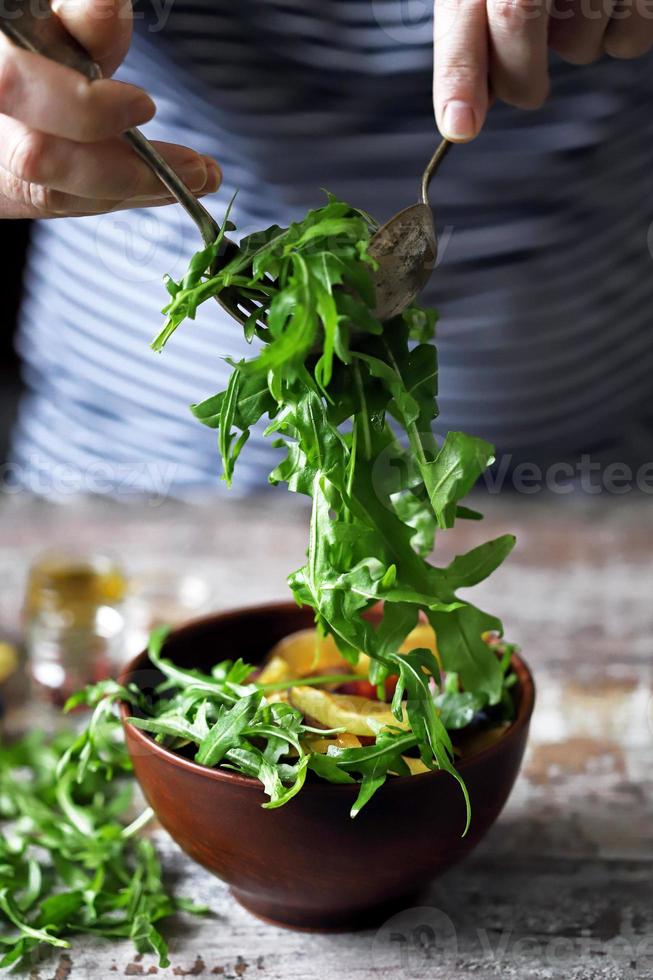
524 713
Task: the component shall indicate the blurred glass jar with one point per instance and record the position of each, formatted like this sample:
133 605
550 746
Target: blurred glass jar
74 621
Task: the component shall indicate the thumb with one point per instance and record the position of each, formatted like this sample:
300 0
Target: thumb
103 27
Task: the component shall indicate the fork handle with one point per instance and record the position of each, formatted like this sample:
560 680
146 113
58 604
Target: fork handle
206 224
42 32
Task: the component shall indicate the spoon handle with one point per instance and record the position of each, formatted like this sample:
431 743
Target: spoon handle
42 32
433 165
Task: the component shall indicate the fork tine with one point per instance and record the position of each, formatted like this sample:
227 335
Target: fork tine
238 307
241 307
228 304
251 310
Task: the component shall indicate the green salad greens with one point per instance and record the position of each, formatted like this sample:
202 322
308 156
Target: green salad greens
70 862
350 403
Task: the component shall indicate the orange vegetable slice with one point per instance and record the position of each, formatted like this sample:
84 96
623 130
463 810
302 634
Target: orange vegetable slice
358 716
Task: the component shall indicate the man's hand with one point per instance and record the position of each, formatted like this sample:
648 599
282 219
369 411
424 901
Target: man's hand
499 49
60 147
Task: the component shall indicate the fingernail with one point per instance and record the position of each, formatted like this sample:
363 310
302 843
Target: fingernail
458 122
139 111
194 173
213 176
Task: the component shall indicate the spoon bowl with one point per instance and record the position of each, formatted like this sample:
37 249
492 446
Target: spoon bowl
406 250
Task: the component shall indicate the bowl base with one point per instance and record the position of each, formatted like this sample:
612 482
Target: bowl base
314 920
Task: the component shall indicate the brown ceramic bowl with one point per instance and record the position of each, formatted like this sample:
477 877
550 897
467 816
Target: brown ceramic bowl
308 864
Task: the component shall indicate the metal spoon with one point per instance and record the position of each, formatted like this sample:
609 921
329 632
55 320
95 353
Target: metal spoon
406 248
37 28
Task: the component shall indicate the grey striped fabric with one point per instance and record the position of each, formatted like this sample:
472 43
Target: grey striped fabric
545 285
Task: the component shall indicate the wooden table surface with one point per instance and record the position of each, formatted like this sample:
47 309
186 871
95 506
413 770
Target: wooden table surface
563 885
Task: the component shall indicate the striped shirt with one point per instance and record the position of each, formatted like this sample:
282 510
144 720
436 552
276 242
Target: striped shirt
545 281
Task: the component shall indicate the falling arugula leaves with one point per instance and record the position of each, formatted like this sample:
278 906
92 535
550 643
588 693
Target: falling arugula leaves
352 402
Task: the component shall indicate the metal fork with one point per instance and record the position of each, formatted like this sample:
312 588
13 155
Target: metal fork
41 31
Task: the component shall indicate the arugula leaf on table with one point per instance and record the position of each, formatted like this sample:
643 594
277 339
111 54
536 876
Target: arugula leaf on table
13 915
73 864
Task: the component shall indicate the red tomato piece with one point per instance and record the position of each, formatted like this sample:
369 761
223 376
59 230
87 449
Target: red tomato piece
364 689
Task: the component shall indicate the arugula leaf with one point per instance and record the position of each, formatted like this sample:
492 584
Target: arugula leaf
13 914
465 652
373 763
326 766
252 762
146 937
475 566
72 865
210 686
253 402
415 670
175 727
454 471
457 708
417 514
227 731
